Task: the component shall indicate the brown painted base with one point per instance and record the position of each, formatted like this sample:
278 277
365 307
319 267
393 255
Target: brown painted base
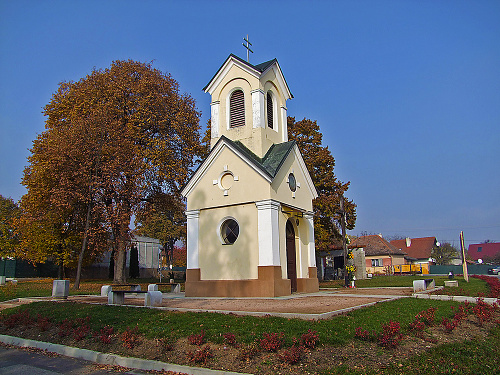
311 284
269 284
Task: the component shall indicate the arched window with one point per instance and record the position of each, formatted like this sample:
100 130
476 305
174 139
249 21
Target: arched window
237 109
270 110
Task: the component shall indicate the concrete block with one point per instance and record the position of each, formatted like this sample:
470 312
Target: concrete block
176 288
105 289
136 288
423 285
153 298
116 298
2 280
152 288
451 283
14 282
60 289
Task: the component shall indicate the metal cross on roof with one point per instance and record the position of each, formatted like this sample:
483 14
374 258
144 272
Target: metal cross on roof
247 46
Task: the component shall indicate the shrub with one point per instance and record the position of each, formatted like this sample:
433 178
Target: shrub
200 355
43 323
247 352
229 338
310 339
130 338
198 340
292 355
449 325
272 342
105 334
80 332
391 335
65 328
18 318
363 334
417 326
483 311
427 316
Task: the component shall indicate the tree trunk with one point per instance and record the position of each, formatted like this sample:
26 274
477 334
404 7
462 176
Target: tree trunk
111 269
82 251
60 272
120 276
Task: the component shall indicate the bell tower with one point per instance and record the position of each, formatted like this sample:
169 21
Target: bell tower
249 104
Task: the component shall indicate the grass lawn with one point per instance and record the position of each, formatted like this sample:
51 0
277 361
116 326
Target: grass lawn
43 288
464 358
472 288
155 323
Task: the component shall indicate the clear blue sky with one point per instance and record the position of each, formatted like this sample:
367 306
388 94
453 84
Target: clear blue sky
407 93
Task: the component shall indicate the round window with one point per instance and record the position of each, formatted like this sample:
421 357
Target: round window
226 181
292 183
230 231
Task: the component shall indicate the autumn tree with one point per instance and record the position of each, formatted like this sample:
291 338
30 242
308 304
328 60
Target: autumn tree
163 218
320 164
9 211
444 253
125 137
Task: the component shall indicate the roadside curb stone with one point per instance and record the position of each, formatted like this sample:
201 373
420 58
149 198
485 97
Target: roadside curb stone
111 359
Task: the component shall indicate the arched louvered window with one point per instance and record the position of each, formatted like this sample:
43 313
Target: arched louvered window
237 109
270 110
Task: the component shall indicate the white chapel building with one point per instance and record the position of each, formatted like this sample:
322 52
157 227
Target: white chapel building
250 230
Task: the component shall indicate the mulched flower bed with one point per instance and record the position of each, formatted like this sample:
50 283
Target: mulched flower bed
266 355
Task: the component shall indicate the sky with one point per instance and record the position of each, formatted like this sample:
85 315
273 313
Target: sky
406 93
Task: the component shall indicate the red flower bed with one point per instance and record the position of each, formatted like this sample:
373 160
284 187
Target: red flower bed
493 283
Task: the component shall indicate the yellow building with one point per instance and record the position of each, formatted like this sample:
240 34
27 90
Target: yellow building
250 228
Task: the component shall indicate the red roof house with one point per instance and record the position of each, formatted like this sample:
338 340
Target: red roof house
418 248
484 251
380 255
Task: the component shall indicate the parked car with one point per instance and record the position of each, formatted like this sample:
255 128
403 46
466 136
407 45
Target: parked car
494 271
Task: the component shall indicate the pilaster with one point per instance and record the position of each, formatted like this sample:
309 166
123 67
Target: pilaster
269 244
192 246
310 229
258 109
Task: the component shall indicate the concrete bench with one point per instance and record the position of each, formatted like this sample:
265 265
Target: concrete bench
117 297
105 289
423 285
151 298
451 283
174 287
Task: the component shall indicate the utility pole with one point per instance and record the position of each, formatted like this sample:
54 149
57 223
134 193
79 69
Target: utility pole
344 242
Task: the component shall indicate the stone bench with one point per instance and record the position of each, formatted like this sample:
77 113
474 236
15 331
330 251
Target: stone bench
451 283
174 287
423 285
105 289
151 298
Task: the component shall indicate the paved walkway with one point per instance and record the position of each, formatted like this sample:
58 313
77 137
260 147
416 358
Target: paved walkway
15 361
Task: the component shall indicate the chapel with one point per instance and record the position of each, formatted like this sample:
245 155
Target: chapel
250 230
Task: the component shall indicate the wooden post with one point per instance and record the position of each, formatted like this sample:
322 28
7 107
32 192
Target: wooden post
464 263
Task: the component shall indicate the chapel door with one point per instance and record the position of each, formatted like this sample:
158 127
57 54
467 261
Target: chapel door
290 255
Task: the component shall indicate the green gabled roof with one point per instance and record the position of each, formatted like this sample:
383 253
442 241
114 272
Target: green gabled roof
259 68
271 162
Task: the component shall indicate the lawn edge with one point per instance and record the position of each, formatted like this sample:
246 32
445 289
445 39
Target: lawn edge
110 359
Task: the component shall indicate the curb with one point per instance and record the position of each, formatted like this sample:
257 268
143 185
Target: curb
284 315
111 359
443 297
